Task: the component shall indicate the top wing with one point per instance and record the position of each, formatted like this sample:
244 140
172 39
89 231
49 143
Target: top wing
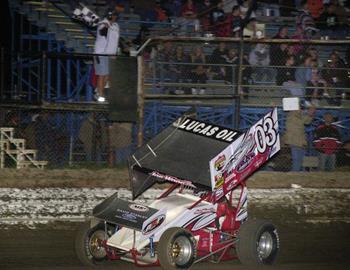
245 155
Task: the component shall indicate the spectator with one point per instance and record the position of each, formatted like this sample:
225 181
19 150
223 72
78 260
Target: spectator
236 21
219 56
204 9
287 73
343 155
328 19
335 74
279 52
315 90
232 73
178 69
218 23
295 135
327 142
247 9
313 53
198 72
259 58
107 40
298 49
160 12
315 8
303 73
165 56
305 21
189 16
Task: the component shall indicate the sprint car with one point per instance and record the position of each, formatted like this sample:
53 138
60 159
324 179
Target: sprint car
202 212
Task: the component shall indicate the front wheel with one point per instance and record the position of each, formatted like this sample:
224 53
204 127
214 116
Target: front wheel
88 244
176 249
258 243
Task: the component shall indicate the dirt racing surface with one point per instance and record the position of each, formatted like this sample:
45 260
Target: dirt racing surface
119 178
303 247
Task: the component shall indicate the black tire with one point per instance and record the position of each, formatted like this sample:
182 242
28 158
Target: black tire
258 243
85 244
185 253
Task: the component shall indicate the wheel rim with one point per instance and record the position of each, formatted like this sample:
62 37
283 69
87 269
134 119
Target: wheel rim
96 249
265 245
181 250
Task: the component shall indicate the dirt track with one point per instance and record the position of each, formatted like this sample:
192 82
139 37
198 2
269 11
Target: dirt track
322 246
117 178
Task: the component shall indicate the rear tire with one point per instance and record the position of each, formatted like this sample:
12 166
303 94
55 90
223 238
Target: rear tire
258 243
176 249
87 246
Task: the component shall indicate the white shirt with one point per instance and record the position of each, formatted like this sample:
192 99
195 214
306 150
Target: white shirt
107 44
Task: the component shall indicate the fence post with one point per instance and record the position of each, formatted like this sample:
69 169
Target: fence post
140 98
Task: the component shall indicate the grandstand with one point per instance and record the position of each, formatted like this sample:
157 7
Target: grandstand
51 67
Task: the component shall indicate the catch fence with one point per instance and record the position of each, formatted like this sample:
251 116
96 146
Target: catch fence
227 81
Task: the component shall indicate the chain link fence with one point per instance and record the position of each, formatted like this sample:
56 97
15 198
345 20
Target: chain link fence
229 82
70 139
260 73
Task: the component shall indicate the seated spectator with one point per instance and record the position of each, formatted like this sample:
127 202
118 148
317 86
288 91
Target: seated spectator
259 58
160 12
295 135
247 9
188 16
279 52
303 73
198 72
218 22
287 73
313 53
305 21
204 9
232 72
219 56
333 20
335 74
282 32
178 69
189 10
315 89
173 7
236 22
299 49
327 142
165 54
315 8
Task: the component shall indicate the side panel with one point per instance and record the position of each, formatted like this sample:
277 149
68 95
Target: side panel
245 155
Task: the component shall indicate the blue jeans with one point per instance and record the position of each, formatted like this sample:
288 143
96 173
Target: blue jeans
297 158
326 162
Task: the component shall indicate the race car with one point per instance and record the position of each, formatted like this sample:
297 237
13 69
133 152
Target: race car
202 212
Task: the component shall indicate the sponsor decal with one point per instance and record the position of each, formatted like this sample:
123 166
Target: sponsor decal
219 193
204 211
246 160
138 207
155 223
129 216
219 180
121 212
220 163
231 185
172 179
207 130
